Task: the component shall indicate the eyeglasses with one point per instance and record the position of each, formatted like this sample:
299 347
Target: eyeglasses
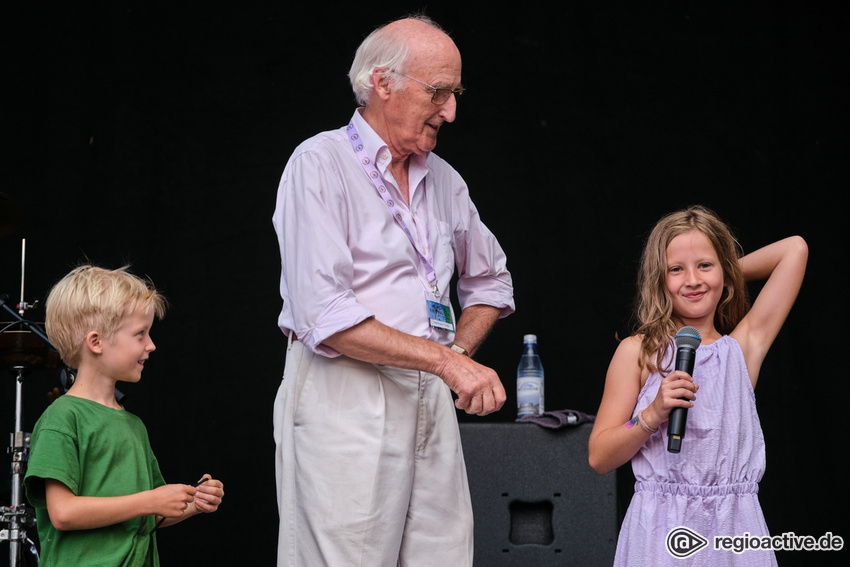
439 95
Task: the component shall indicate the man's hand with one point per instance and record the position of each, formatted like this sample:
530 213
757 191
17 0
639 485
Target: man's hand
478 388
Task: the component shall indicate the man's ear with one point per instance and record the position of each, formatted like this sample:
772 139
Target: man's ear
381 82
93 342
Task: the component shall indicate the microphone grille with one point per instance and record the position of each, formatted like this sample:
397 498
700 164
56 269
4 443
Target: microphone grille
688 336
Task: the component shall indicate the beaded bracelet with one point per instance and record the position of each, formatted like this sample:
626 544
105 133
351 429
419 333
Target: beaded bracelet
644 425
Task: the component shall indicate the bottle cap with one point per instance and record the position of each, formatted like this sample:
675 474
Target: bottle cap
529 339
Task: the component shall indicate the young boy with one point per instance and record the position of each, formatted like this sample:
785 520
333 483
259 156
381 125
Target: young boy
92 476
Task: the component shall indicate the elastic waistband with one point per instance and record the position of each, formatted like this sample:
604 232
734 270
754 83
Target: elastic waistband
680 489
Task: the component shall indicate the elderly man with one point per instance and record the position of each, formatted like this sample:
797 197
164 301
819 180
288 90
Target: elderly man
371 227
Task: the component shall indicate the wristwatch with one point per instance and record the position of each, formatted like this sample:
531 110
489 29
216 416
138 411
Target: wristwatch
460 349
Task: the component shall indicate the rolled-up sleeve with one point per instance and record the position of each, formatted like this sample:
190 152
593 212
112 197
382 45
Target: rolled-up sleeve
316 264
483 276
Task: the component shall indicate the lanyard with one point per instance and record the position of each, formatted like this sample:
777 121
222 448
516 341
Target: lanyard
427 258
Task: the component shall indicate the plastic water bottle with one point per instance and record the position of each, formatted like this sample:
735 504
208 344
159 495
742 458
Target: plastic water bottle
529 379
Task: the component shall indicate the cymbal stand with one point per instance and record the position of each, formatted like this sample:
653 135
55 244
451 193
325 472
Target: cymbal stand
18 516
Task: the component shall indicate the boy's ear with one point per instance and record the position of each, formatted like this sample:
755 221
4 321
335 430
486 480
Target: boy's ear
93 342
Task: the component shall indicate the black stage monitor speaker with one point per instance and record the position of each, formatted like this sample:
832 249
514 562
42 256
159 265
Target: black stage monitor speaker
535 499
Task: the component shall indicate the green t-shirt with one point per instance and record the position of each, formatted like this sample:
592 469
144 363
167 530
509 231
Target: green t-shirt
95 451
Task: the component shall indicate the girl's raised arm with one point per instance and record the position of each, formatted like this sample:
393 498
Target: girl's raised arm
783 264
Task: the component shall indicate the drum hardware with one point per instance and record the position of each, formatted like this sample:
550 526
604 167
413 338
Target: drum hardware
24 346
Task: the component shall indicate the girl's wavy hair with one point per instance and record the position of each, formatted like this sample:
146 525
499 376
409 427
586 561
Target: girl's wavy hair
89 299
653 316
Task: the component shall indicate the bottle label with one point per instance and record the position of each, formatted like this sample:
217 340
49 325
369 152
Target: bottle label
529 395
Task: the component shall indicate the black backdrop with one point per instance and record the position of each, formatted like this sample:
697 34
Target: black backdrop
156 135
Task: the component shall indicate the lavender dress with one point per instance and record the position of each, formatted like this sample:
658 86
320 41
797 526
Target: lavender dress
708 489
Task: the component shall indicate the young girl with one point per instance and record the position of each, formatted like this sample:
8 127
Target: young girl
691 275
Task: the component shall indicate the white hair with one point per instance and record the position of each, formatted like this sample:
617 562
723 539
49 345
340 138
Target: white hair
385 48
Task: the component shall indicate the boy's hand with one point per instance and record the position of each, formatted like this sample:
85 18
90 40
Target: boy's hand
172 500
208 495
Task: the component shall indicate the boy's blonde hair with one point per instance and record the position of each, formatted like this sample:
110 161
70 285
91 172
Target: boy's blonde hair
95 299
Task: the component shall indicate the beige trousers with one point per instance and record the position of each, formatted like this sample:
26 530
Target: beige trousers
369 467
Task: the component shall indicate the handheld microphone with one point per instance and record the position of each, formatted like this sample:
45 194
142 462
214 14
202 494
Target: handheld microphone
687 342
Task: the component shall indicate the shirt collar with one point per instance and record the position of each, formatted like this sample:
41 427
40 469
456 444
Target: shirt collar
379 151
374 146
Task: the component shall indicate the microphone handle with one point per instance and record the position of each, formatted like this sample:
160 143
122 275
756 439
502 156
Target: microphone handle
685 358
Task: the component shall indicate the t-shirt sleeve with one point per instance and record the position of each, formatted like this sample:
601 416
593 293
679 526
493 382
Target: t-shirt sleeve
157 479
53 454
